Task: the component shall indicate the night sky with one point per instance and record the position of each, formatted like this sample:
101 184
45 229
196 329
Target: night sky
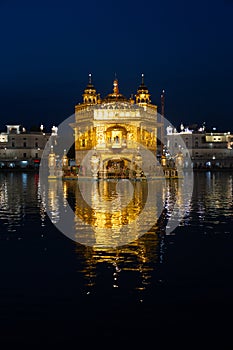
48 48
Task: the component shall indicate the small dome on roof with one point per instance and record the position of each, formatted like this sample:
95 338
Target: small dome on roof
115 95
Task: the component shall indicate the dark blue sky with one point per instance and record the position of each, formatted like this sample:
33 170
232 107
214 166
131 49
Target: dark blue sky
49 47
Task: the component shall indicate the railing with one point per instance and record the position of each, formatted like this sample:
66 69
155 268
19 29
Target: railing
115 144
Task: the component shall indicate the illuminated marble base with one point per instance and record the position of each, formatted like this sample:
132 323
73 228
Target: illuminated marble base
52 177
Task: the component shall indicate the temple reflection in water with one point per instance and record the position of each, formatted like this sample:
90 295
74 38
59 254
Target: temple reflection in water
105 213
138 257
99 225
138 254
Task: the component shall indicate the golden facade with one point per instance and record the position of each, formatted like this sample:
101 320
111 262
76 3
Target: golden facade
114 127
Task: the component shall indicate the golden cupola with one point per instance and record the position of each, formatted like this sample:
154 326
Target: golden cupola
115 96
142 96
90 97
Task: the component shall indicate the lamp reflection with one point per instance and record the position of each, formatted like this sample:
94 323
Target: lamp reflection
53 200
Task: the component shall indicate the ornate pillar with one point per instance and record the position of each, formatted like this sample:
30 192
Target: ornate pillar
95 161
52 164
179 163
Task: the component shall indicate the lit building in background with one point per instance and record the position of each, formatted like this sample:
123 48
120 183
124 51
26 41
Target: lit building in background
208 149
22 149
114 126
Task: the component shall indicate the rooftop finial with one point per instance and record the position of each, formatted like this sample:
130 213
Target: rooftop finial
142 79
163 94
162 102
89 78
115 87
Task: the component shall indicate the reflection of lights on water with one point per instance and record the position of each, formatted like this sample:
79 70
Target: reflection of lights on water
24 180
108 209
95 204
42 200
17 192
65 193
53 201
135 258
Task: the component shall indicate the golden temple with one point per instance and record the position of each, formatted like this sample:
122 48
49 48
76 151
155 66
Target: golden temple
112 129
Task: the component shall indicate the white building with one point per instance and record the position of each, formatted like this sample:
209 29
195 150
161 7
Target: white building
21 149
207 149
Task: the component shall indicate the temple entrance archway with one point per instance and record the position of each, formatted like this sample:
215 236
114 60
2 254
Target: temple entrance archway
116 136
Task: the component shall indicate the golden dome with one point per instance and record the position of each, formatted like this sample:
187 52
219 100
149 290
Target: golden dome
115 95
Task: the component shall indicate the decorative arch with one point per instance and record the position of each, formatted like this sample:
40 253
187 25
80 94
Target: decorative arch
116 135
